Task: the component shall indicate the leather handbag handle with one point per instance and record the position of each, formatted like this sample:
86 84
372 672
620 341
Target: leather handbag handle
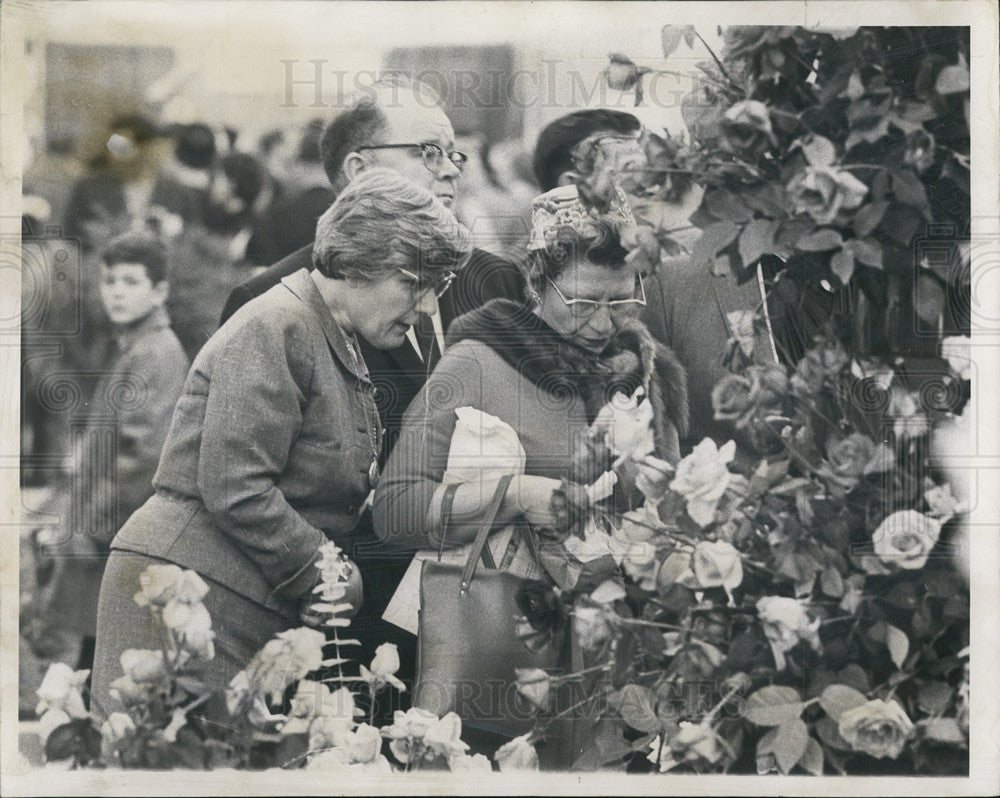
480 542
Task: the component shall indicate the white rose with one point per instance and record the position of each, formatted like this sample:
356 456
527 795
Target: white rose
905 539
702 478
364 744
785 623
143 665
61 688
192 624
518 754
444 736
535 685
717 564
329 732
878 728
384 665
158 584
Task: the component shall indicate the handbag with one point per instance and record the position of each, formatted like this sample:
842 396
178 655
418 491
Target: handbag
467 642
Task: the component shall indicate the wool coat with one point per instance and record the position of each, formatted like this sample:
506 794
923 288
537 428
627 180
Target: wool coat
268 453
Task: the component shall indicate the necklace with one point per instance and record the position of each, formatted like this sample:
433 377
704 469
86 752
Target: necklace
371 413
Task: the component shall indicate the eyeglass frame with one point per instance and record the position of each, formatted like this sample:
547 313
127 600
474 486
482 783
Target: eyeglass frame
427 151
445 282
611 305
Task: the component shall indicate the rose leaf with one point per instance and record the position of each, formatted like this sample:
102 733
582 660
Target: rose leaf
812 760
757 239
868 217
670 37
820 241
842 265
838 698
773 705
791 743
713 238
934 697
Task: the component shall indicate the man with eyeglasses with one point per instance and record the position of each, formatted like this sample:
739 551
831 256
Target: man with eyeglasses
686 309
397 125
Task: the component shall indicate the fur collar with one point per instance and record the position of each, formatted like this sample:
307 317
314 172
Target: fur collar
542 356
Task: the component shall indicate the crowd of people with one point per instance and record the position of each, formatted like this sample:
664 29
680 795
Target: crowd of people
329 314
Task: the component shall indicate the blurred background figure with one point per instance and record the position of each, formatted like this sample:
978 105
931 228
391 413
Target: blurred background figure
207 260
289 223
114 453
118 185
183 183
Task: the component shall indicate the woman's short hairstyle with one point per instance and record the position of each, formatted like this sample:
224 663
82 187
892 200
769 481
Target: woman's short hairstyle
138 247
382 222
604 248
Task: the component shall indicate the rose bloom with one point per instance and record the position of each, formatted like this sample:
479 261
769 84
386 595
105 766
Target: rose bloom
694 742
878 728
785 623
192 624
732 399
747 126
819 364
159 584
444 736
518 754
824 191
413 723
760 392
905 539
364 743
535 685
286 658
717 564
846 461
622 74
702 478
62 689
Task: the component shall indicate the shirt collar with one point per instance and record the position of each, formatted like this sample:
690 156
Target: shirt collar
301 284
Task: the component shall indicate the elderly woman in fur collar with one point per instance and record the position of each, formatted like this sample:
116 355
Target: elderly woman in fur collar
545 367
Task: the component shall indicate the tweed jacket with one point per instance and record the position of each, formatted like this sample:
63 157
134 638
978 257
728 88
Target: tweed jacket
268 452
398 374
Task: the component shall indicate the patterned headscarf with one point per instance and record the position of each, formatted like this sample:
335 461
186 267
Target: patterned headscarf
561 207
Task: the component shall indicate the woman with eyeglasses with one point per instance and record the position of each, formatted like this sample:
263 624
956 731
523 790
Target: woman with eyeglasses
545 367
274 444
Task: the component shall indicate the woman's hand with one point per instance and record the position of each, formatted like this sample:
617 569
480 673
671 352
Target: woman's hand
353 595
531 498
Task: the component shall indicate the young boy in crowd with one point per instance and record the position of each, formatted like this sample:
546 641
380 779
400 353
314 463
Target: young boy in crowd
115 448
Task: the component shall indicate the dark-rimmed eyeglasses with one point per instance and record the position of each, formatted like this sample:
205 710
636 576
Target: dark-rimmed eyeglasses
431 153
585 308
420 287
